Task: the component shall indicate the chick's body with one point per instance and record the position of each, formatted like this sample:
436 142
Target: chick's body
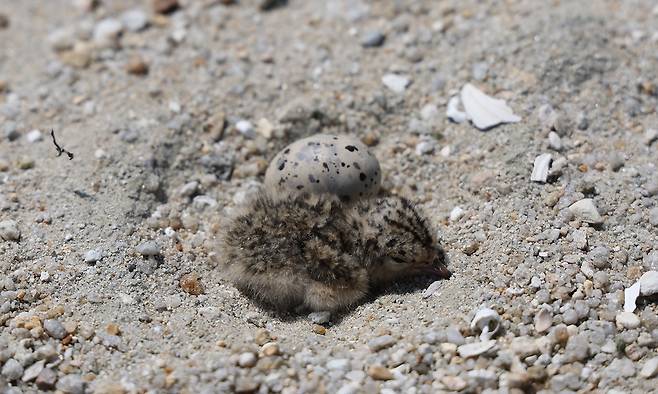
324 254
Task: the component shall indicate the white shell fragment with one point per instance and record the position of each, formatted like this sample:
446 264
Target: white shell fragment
554 141
453 113
630 296
541 167
487 322
475 349
586 211
543 320
431 289
485 111
323 163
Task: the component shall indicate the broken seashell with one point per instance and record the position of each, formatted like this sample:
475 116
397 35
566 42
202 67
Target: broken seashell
487 321
453 113
475 349
543 320
630 295
431 289
541 167
485 111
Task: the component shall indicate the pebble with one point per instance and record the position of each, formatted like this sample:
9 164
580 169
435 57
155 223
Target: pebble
586 211
579 238
190 284
107 32
270 349
247 360
650 368
137 66
339 364
246 128
9 230
34 136
320 317
454 383
378 372
134 20
54 328
653 217
372 39
46 379
425 147
33 371
627 320
12 370
93 255
554 141
148 248
164 6
71 384
649 283
599 257
396 83
381 342
650 136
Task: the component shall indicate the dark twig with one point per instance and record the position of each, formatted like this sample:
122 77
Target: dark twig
60 150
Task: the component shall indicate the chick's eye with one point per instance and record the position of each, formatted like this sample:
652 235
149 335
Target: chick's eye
398 260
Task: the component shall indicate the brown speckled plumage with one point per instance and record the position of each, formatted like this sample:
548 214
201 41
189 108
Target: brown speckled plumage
324 254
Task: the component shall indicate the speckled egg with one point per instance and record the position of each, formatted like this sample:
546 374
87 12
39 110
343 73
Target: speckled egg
323 163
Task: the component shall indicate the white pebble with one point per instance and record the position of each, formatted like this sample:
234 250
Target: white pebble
554 141
247 360
650 368
148 248
93 256
650 136
649 283
429 111
9 230
453 113
107 32
246 128
586 211
627 320
456 214
134 20
396 83
34 136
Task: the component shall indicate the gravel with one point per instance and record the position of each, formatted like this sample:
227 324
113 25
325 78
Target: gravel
174 109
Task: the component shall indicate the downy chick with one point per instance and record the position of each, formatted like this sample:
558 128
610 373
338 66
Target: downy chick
324 254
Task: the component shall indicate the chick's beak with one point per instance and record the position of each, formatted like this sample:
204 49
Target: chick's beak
437 270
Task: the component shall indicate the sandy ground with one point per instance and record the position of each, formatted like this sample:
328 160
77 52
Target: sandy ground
584 70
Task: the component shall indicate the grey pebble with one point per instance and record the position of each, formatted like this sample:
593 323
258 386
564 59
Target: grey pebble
339 364
54 328
134 20
454 336
148 248
33 371
650 368
12 370
71 384
381 342
372 39
653 217
320 317
9 230
247 360
93 255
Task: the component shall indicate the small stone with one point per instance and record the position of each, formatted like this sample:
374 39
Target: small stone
318 329
543 320
71 384
650 136
137 66
134 20
586 211
107 32
372 39
12 370
627 320
396 83
653 217
54 328
425 147
454 383
471 248
579 239
382 342
46 379
9 230
247 360
25 163
148 248
650 368
189 189
270 349
577 348
339 364
320 317
554 141
649 283
246 128
456 213
600 257
164 6
378 372
113 329
265 128
34 136
190 284
33 371
93 255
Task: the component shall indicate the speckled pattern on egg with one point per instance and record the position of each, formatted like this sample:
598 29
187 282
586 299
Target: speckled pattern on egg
323 163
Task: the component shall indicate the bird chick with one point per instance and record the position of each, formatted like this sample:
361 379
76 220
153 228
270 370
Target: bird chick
324 254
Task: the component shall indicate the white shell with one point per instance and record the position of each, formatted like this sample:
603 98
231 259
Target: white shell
453 113
586 211
541 167
476 348
323 163
485 111
431 289
630 296
543 320
487 322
